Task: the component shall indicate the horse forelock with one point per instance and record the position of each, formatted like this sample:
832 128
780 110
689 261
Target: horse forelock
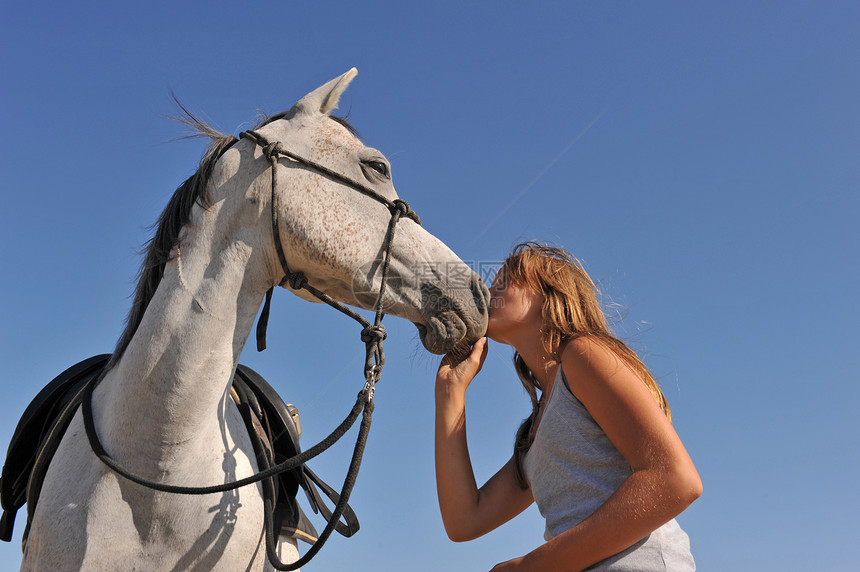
342 121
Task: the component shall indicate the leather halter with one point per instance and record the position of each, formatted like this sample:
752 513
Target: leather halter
297 280
372 335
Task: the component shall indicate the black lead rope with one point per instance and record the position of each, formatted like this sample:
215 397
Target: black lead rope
289 464
372 335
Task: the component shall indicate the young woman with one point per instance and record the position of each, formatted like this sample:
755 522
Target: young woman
598 453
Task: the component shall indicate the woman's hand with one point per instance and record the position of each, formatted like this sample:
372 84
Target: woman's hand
457 370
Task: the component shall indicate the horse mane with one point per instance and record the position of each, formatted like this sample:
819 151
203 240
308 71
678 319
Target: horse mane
158 250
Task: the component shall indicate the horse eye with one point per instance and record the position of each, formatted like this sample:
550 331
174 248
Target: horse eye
379 167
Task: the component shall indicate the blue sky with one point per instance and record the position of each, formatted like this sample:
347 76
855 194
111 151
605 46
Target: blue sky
699 158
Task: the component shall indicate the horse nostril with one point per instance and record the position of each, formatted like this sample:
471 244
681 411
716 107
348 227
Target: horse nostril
432 298
480 294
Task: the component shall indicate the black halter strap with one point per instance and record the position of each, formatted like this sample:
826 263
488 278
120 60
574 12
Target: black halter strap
372 335
297 280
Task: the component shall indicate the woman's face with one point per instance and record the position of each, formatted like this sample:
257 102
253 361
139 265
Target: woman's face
514 311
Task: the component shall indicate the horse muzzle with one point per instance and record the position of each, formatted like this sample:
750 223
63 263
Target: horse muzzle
456 317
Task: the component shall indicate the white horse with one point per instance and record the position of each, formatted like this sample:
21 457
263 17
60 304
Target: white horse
162 409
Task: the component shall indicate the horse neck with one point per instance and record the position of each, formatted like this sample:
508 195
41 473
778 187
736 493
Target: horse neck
170 386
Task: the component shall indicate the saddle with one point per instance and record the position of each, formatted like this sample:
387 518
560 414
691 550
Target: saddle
273 426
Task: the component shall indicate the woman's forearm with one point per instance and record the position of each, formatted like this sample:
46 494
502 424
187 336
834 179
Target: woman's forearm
455 479
644 502
467 511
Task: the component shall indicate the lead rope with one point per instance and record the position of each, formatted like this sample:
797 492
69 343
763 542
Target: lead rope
372 335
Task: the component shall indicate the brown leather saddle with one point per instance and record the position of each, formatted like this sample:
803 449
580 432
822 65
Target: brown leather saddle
272 424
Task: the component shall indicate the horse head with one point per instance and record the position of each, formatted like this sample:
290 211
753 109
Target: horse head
335 235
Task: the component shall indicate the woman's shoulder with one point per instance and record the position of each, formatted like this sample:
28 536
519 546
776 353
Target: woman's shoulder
592 368
587 353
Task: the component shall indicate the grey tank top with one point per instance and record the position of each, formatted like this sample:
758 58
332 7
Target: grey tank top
573 467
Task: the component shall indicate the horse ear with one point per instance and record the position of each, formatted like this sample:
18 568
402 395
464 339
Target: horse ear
325 98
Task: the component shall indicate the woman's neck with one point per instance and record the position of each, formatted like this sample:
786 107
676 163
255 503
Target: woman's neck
538 360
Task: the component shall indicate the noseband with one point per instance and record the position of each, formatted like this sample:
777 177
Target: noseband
372 335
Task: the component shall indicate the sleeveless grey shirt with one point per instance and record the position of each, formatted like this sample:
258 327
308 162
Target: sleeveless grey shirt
573 467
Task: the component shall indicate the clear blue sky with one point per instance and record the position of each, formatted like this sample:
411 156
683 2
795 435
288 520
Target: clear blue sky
701 159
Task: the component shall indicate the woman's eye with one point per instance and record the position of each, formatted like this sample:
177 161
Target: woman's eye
379 167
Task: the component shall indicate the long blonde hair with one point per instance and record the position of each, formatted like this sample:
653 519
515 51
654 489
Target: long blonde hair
571 309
